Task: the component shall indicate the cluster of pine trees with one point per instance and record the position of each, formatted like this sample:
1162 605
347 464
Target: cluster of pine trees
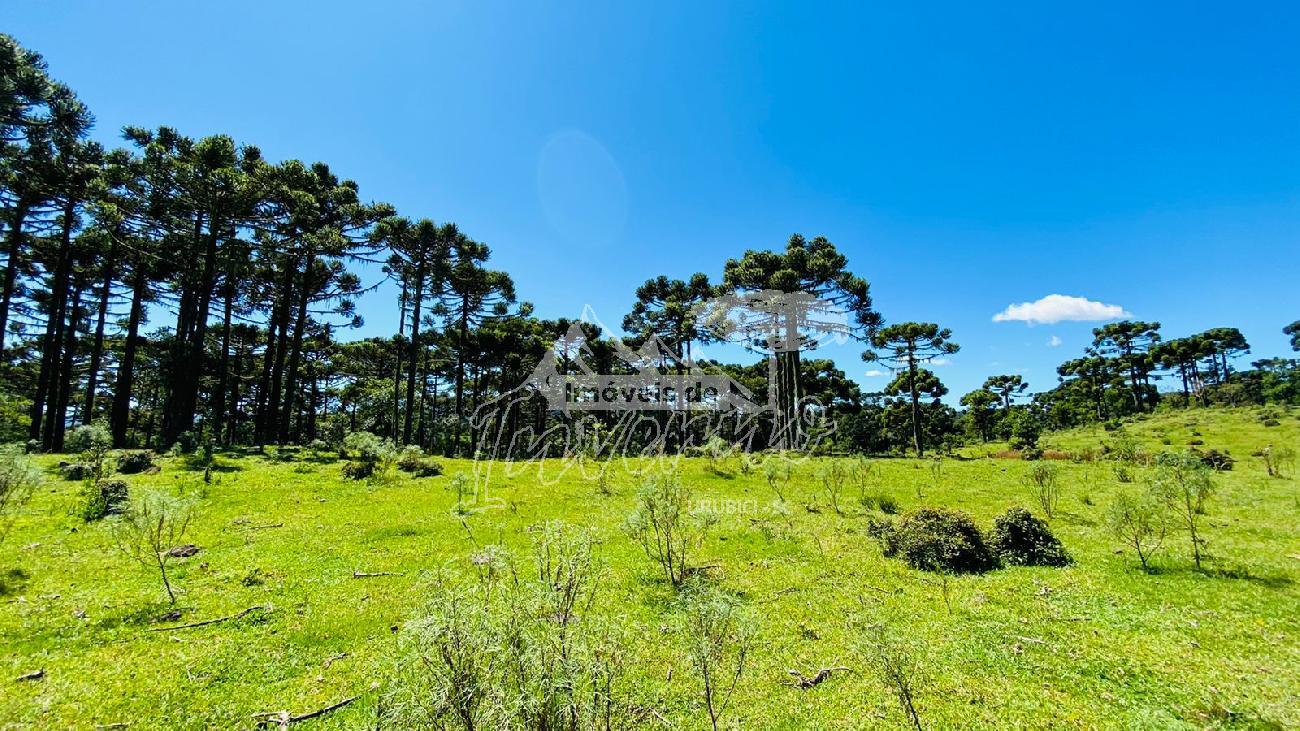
190 289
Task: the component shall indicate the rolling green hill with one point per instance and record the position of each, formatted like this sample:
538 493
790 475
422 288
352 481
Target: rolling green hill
1099 644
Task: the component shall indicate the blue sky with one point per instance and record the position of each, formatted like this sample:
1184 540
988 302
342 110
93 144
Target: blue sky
1145 155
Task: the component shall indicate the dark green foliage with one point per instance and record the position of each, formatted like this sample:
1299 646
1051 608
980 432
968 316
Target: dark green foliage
1020 539
75 470
413 460
1216 460
103 498
187 442
886 532
358 470
940 540
130 463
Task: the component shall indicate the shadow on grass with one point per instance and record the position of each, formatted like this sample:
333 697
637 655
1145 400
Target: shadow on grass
1272 580
1075 518
13 581
146 615
1243 573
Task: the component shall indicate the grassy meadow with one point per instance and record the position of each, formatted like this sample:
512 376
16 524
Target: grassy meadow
1099 644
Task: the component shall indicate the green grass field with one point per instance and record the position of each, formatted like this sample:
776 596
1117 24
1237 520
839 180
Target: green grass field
1099 644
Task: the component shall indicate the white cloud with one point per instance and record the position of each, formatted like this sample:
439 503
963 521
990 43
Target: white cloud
940 362
875 373
1055 342
1059 308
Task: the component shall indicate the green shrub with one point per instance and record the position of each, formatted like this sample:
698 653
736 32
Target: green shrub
358 470
74 471
1020 539
130 463
103 498
884 531
88 437
943 540
368 455
412 459
1216 460
877 500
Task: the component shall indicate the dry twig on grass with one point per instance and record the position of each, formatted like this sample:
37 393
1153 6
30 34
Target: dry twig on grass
283 719
804 682
206 622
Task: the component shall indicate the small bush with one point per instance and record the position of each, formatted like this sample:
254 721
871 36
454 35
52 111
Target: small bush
887 533
103 498
877 500
409 457
1216 460
130 463
369 455
149 529
1020 539
358 470
412 459
88 437
75 471
943 540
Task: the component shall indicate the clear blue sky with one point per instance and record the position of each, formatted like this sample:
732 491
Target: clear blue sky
1142 155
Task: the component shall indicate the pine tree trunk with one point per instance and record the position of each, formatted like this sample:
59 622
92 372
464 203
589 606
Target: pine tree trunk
97 347
295 352
121 411
12 264
57 422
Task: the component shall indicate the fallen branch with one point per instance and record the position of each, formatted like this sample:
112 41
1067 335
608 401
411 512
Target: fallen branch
804 682
268 525
364 575
35 675
206 622
283 719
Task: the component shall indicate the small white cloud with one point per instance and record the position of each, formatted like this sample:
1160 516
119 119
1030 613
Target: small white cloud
1055 342
875 373
940 362
1060 308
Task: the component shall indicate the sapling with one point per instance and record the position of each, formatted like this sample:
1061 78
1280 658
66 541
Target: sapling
1182 483
148 530
1140 523
777 471
1042 481
833 477
719 634
666 526
897 667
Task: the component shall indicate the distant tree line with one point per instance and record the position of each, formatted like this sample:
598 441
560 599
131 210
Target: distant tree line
183 290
